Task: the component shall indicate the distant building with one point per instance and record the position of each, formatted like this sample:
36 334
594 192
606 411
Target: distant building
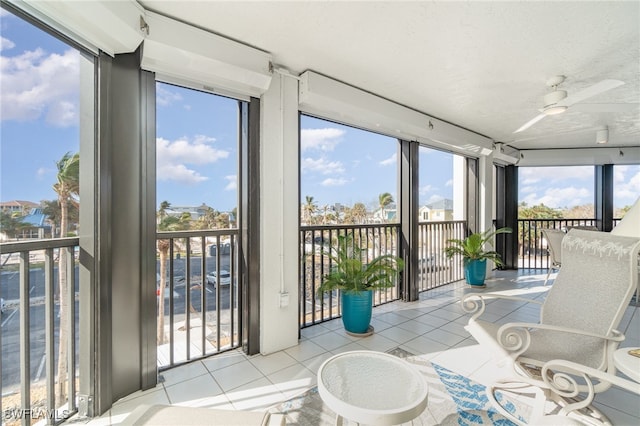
440 210
196 212
39 225
17 206
389 214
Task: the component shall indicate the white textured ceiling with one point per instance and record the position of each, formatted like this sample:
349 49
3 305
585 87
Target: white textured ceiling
480 65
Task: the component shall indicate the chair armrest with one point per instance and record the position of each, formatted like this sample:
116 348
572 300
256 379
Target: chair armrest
516 337
566 386
474 303
578 384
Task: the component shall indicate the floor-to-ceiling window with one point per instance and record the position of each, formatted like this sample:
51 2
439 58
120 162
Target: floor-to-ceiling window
348 186
197 137
548 191
551 197
626 188
441 213
47 86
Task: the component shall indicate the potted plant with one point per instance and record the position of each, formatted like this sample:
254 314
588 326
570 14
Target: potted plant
472 250
356 281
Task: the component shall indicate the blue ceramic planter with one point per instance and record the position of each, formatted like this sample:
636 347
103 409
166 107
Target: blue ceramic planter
356 311
475 272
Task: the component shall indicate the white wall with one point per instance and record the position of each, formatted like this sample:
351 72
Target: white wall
279 215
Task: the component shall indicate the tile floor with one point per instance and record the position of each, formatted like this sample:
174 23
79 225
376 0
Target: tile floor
431 326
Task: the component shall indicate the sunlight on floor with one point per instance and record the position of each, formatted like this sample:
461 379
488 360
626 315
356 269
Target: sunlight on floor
432 328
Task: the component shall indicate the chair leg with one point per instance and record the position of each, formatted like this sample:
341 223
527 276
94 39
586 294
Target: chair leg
547 279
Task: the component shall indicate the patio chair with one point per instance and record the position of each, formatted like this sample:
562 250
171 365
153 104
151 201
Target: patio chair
578 318
554 245
629 226
563 378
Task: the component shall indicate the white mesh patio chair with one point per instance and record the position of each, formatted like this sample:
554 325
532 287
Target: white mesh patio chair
629 226
554 245
578 318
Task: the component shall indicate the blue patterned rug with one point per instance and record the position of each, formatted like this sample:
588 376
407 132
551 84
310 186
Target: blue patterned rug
453 400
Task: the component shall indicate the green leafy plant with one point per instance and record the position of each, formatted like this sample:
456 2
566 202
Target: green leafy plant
350 274
472 247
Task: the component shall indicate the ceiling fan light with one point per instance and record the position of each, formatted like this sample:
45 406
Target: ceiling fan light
554 110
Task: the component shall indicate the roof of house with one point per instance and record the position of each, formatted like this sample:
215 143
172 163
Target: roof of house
19 203
444 204
36 218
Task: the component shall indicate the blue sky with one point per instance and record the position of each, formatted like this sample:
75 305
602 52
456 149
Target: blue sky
197 142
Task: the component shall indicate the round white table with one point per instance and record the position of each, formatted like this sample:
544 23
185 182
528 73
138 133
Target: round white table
627 363
373 388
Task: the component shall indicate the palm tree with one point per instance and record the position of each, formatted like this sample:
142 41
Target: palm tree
168 223
163 249
51 208
208 219
325 212
384 200
309 209
11 225
222 220
162 211
68 188
359 213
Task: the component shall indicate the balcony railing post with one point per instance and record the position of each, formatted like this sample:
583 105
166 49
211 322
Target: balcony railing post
49 284
25 336
30 291
71 353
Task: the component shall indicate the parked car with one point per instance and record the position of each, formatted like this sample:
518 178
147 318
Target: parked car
225 277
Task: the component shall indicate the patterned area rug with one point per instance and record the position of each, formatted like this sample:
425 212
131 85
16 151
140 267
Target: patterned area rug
453 400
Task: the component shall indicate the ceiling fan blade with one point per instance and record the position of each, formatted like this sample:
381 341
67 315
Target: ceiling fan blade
530 123
605 107
590 91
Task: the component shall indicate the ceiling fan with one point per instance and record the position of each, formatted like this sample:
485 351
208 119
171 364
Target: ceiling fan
558 101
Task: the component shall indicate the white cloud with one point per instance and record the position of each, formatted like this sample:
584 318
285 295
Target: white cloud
619 173
334 182
179 173
627 190
43 171
560 197
390 161
5 44
423 190
35 83
449 182
322 165
165 97
232 184
530 175
62 113
320 139
173 157
434 198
